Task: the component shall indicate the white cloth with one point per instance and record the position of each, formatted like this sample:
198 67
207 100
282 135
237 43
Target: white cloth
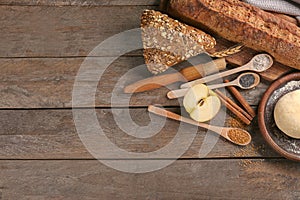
280 6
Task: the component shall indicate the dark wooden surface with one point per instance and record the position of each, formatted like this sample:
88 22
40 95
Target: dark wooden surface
41 155
79 2
31 83
185 179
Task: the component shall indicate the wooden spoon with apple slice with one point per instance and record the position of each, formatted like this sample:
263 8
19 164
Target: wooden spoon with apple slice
235 135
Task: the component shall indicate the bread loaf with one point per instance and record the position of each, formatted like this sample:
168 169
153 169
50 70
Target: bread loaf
243 23
167 42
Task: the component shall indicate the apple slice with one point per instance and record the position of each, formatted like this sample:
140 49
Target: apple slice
201 103
207 109
194 95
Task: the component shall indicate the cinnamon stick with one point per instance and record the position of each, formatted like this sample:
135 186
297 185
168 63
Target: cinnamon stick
232 108
241 99
235 105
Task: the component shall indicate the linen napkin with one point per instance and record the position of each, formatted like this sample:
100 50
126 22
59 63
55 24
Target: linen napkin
280 6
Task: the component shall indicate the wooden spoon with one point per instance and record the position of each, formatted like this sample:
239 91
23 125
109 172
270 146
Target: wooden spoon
240 82
230 134
174 94
258 63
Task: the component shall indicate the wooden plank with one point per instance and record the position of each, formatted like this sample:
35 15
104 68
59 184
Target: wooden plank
47 31
48 83
78 2
51 134
184 179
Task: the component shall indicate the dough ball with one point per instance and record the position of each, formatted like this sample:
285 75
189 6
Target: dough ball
287 114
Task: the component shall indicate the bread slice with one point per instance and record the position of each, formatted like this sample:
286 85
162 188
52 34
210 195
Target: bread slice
243 23
167 42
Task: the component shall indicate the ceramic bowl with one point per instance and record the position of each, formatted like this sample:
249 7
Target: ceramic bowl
280 142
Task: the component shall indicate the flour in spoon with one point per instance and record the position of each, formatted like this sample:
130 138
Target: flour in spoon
260 62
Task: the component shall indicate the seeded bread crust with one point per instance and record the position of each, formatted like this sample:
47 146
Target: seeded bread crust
243 23
167 42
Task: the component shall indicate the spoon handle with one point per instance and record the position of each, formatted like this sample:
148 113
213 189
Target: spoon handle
216 76
216 86
175 94
171 115
222 131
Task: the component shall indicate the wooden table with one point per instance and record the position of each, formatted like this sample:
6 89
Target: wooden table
43 44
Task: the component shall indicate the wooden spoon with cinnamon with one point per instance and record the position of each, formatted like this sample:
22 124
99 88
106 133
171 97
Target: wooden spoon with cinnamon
235 135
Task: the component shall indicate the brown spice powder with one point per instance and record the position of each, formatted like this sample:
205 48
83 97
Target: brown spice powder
238 136
249 151
234 122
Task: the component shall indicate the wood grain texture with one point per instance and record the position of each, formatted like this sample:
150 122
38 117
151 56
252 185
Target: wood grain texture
41 154
46 31
79 2
51 134
48 83
184 179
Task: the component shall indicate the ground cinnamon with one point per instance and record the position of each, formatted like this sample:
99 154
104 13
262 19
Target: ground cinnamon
235 122
238 136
